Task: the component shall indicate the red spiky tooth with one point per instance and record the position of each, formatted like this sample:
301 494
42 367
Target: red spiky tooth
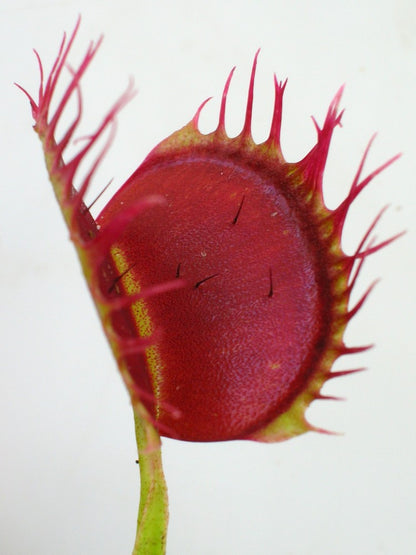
217 270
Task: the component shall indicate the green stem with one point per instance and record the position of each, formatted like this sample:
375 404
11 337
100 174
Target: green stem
152 522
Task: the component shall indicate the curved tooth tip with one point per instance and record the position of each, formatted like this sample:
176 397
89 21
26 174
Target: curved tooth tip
246 132
325 431
223 107
321 397
341 373
195 119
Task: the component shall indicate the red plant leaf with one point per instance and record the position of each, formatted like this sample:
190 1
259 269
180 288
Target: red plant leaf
217 269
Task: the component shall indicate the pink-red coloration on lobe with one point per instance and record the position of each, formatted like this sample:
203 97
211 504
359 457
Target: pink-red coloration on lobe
217 270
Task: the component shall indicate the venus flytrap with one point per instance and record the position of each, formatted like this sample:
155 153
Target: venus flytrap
218 274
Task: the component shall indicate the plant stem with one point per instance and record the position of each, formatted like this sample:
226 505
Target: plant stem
152 521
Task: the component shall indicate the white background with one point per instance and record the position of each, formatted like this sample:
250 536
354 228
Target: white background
68 480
